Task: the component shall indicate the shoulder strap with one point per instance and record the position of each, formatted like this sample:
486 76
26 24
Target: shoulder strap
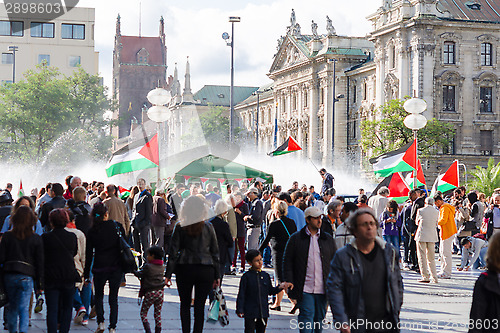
285 228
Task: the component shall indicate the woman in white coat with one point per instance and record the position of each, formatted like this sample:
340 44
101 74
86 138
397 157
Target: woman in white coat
426 237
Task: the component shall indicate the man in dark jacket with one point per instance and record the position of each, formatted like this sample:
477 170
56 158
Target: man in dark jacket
56 192
306 266
5 206
358 289
492 217
254 219
327 180
141 220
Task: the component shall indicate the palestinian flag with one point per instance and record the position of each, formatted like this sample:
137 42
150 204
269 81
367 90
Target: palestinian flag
448 180
398 188
21 191
409 177
123 192
403 159
128 160
289 146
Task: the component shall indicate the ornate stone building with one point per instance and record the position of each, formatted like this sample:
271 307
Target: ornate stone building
139 65
442 51
303 93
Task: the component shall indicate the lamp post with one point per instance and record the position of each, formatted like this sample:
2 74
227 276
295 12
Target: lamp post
415 121
226 37
159 113
13 49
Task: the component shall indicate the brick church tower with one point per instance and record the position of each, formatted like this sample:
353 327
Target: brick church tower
139 65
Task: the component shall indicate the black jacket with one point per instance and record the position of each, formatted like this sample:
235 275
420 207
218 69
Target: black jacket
278 236
23 256
55 202
485 303
488 217
224 238
103 246
200 250
4 212
256 210
255 287
81 210
60 246
296 255
143 210
151 276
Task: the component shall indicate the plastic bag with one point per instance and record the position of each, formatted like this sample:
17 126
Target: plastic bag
223 313
213 311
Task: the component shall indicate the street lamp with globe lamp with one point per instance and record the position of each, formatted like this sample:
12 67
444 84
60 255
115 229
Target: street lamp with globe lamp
159 113
415 121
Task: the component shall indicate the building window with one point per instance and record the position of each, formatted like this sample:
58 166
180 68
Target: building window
449 98
294 102
7 58
322 96
365 91
486 139
306 99
450 149
11 28
486 54
449 53
393 57
45 30
486 99
75 61
44 59
72 31
354 94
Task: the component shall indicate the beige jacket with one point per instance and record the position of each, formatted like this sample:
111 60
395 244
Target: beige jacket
80 253
427 222
118 212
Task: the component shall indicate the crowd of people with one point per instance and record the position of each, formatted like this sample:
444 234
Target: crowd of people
62 245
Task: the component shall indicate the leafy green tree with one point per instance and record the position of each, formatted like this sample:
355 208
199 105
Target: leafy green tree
487 179
37 110
389 132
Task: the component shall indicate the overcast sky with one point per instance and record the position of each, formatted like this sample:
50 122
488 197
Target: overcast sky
194 29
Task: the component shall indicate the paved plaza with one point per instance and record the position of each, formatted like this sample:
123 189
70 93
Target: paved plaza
442 307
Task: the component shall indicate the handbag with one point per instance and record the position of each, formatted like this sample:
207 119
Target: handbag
223 313
127 259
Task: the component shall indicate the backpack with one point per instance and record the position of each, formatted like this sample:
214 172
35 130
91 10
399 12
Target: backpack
480 236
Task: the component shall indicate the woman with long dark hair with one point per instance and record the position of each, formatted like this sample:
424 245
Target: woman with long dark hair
60 247
103 248
21 256
194 258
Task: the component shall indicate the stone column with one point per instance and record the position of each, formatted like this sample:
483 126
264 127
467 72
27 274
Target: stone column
313 149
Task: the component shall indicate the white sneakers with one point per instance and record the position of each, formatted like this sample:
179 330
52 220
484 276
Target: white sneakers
100 328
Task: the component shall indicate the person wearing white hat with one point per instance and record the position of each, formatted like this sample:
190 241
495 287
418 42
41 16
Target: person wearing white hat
254 219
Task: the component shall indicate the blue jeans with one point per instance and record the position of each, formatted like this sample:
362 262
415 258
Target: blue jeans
312 309
392 239
59 301
19 288
82 298
481 261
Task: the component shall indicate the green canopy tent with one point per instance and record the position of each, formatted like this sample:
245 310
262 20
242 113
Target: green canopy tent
214 167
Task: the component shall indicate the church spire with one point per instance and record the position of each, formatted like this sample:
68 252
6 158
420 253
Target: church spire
118 25
187 95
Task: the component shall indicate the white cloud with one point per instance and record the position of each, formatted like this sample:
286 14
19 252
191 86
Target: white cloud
194 29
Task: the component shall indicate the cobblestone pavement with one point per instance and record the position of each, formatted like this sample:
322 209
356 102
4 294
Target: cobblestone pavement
427 307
